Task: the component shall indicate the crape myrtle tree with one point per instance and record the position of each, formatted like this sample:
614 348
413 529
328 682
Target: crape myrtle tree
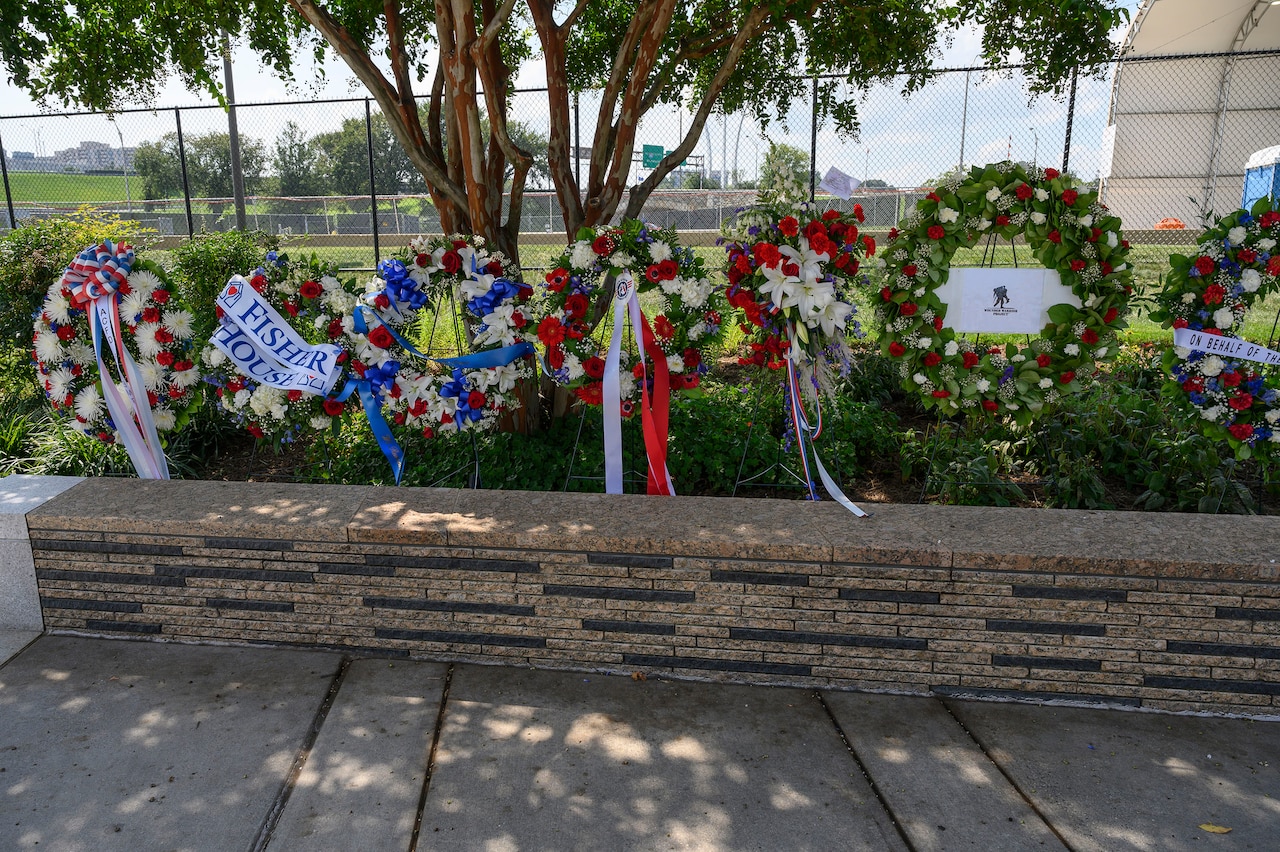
460 56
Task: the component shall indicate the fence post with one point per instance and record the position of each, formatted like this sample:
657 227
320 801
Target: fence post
373 190
1071 114
813 145
577 143
182 161
8 193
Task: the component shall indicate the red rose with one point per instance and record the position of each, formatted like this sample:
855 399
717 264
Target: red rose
1110 315
335 328
494 267
594 367
557 279
602 245
1273 265
910 270
990 404
1002 220
942 394
161 296
1050 174
459 243
669 269
518 320
970 360
382 300
1205 265
663 327
1078 265
1054 236
1069 197
551 332
422 259
858 214
937 232
932 359
451 262
1241 401
1194 384
294 395
333 407
937 323
381 337
1089 336
1065 378
310 289
151 315
908 309
790 269
1240 431
1043 359
933 196
476 399
692 357
789 226
576 306
1023 192
897 350
428 432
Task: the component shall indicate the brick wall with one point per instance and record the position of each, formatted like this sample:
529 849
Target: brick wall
1174 612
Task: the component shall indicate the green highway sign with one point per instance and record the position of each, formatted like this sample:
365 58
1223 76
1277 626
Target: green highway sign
651 156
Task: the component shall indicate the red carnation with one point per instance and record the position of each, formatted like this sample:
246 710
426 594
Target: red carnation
933 359
259 283
990 404
820 244
1023 192
310 289
1241 401
1205 265
886 293
1273 265
1231 379
893 234
66 332
291 307
692 357
897 350
1089 336
910 270
933 196
1107 269
1069 196
937 232
869 244
789 226
767 254
1240 431
1050 174
1043 359
814 227
1002 220
1194 384
830 215
333 407
1065 378
164 336
294 395
151 315
1078 265
165 359
1054 236
1110 315
1095 234
1246 255
254 429
451 262
858 214
381 337
908 309
970 360
162 296
1214 294
942 394
937 323
1180 323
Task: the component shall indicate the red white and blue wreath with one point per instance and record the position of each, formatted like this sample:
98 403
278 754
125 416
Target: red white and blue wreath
792 273
1205 299
641 263
1067 230
113 350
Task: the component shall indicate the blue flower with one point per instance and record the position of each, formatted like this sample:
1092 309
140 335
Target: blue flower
1007 375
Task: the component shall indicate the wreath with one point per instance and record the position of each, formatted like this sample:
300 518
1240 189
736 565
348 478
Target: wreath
319 307
686 323
156 332
470 392
1067 229
1211 293
792 273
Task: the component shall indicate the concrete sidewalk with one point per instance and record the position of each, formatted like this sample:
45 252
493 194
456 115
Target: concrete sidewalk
111 745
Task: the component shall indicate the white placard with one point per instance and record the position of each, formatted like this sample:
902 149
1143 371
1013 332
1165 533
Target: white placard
1002 301
839 184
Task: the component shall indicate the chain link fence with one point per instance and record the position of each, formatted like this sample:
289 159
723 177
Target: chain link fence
1162 138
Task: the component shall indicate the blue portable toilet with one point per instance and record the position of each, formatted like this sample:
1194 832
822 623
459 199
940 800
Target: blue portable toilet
1261 176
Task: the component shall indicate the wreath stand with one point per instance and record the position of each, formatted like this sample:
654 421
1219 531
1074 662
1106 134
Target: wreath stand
779 464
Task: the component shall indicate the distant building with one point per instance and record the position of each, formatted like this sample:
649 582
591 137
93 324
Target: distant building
85 157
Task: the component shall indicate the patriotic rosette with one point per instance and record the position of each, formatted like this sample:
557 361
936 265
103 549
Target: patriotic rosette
113 350
792 271
663 292
304 300
1229 382
464 393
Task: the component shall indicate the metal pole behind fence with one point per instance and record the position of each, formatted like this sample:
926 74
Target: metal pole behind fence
1071 114
237 173
813 145
577 143
373 190
182 161
8 193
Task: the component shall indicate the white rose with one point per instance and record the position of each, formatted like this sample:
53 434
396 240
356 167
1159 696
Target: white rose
1236 235
920 378
1038 217
1046 383
926 342
1042 195
1211 366
1224 318
993 194
1250 280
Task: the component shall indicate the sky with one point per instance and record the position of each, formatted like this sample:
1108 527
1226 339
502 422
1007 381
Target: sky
904 142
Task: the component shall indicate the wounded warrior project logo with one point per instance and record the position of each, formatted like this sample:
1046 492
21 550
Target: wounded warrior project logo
1002 296
1002 303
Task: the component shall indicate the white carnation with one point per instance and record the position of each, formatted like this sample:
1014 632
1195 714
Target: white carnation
1224 317
982 385
1046 383
993 193
951 348
1038 217
1086 221
1042 194
1100 353
920 378
1266 244
1211 366
320 422
675 364
1236 235
659 251
1250 280
582 256
1071 349
947 215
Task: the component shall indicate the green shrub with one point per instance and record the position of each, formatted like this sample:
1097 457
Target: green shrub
34 255
203 265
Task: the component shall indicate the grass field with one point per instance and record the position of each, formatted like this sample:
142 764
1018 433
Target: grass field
72 189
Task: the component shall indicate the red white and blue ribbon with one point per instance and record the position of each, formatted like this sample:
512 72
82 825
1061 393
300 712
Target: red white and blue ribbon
807 434
95 278
654 404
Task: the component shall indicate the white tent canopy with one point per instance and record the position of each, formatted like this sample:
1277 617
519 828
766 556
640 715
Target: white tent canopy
1186 126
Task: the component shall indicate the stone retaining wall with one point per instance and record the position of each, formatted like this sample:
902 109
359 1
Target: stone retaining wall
1173 612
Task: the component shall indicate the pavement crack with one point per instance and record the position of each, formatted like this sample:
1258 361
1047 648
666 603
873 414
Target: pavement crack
272 819
862 767
431 759
1007 777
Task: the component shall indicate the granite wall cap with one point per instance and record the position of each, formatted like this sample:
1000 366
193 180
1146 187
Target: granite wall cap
22 493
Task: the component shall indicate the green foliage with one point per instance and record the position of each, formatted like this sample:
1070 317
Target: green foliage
34 255
204 264
208 166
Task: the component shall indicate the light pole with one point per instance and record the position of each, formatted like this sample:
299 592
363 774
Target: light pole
124 165
1035 156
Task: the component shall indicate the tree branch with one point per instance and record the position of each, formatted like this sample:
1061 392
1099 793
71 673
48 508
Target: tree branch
601 150
494 27
573 17
558 161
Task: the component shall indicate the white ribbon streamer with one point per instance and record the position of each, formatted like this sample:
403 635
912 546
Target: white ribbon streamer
1232 347
132 416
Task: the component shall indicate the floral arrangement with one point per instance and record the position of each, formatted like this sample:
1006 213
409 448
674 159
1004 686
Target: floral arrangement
157 333
792 273
1235 265
1066 229
466 393
686 321
320 308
